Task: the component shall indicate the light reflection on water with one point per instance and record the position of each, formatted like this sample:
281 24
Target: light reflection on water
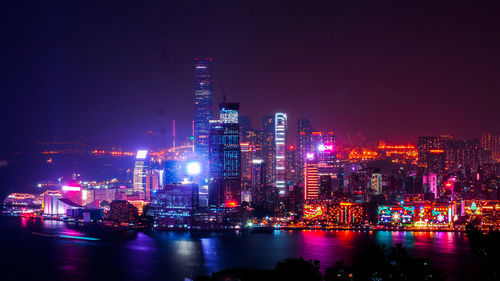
175 255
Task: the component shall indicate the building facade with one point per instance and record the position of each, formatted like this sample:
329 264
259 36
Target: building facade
203 94
225 158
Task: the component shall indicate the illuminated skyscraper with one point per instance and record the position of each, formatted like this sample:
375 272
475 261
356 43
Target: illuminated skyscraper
268 149
376 183
491 143
431 153
225 158
316 140
292 164
140 167
153 177
174 205
311 178
247 138
304 130
280 141
462 156
258 182
202 106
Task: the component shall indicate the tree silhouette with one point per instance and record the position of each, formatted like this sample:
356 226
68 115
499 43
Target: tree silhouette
487 248
297 269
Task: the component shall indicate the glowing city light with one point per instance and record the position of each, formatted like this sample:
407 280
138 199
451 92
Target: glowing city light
193 168
141 154
71 188
325 147
79 237
231 203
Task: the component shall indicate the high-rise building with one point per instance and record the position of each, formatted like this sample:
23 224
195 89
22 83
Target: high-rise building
491 143
247 138
311 179
280 123
140 168
258 182
304 130
430 183
225 158
268 149
462 156
431 153
316 140
292 163
153 177
202 106
376 183
170 173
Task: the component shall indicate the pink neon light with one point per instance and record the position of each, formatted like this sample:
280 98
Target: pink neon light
71 188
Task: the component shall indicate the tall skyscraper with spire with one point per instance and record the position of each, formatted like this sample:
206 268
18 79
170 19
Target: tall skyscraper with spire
203 93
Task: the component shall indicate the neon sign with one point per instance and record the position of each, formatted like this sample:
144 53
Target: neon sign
325 147
71 188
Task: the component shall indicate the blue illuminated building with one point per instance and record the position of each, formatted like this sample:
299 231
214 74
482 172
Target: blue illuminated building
174 205
171 172
202 106
225 158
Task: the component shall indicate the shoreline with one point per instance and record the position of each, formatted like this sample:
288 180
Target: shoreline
255 229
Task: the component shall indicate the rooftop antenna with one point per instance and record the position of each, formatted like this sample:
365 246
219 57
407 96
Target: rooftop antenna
173 130
223 92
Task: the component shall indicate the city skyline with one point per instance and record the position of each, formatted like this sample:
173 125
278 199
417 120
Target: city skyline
239 141
402 79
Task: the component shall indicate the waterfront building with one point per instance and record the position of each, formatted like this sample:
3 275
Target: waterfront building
72 193
174 205
56 206
419 215
105 194
334 213
122 211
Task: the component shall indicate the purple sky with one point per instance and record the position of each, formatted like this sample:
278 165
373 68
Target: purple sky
112 71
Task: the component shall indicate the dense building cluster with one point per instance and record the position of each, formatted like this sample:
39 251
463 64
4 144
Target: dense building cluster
229 167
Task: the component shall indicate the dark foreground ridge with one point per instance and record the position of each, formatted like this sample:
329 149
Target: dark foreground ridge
373 264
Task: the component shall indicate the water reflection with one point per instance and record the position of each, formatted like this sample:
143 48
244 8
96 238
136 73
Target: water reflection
173 256
209 254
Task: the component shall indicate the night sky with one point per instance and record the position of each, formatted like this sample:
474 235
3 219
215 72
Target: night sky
112 71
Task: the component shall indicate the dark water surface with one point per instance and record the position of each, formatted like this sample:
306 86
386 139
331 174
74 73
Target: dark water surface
175 255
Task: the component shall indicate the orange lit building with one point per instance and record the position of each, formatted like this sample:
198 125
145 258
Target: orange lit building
139 204
311 181
342 213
